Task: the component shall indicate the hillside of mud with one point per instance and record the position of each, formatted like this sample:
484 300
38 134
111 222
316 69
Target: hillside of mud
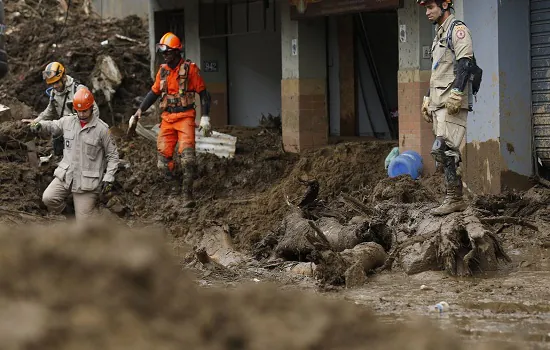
248 193
42 31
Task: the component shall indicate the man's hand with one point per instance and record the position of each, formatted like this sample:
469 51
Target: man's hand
106 187
454 102
36 127
137 115
132 124
425 113
27 121
204 127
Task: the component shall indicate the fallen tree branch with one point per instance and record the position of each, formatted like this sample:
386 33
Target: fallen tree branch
321 235
356 204
509 220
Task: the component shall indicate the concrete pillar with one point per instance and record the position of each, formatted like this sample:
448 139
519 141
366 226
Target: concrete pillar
192 40
413 82
303 85
498 150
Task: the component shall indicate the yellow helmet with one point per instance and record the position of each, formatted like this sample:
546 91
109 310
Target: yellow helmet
53 72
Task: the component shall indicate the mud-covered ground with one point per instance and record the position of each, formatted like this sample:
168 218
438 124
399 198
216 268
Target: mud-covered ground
103 286
112 288
247 197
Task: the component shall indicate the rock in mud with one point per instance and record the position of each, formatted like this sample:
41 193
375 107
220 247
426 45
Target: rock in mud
350 266
219 247
303 269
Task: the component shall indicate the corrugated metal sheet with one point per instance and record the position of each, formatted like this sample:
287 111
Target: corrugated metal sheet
222 145
540 77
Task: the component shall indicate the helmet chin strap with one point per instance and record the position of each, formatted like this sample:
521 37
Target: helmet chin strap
441 15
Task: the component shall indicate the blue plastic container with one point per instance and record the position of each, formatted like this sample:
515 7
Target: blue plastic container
408 162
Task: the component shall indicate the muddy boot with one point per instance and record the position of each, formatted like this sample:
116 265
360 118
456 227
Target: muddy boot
188 172
453 201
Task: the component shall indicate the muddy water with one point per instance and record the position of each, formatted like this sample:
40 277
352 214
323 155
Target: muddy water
512 307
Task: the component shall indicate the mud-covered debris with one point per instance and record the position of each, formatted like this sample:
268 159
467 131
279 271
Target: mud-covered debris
349 267
457 243
402 189
76 288
38 34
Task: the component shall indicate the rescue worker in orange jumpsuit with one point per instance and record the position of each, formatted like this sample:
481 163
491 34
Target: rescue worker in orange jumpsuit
176 83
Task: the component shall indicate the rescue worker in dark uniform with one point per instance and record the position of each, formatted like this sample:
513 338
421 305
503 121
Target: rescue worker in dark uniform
176 83
450 97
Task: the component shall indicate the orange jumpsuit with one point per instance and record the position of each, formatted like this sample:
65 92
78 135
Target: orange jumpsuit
177 127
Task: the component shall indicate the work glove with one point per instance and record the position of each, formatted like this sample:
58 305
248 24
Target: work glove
36 127
132 124
136 115
425 113
204 127
106 187
454 102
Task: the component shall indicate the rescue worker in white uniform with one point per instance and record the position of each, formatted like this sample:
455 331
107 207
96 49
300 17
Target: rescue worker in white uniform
449 98
90 158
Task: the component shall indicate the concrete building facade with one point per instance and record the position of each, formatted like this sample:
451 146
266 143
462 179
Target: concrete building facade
335 68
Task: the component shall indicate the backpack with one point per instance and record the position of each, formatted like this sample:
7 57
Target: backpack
476 73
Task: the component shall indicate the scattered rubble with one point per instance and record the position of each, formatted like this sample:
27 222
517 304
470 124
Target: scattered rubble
68 287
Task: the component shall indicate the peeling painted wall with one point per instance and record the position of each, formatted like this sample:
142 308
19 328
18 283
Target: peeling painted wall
409 51
482 17
419 33
289 31
502 113
515 82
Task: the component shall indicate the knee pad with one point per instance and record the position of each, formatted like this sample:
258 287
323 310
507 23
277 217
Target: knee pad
439 148
163 163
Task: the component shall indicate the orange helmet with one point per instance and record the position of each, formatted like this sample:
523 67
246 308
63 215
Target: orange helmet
169 42
438 2
83 100
53 72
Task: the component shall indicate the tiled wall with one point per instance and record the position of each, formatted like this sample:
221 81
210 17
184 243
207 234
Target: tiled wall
414 133
304 114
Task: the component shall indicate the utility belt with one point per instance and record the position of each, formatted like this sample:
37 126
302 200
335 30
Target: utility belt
178 103
179 109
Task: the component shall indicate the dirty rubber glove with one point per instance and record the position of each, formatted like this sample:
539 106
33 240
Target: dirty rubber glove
454 102
106 187
425 113
204 127
36 127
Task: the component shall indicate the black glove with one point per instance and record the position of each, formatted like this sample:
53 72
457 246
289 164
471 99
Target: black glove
36 127
106 187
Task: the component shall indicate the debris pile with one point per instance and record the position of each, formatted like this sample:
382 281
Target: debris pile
88 293
42 31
